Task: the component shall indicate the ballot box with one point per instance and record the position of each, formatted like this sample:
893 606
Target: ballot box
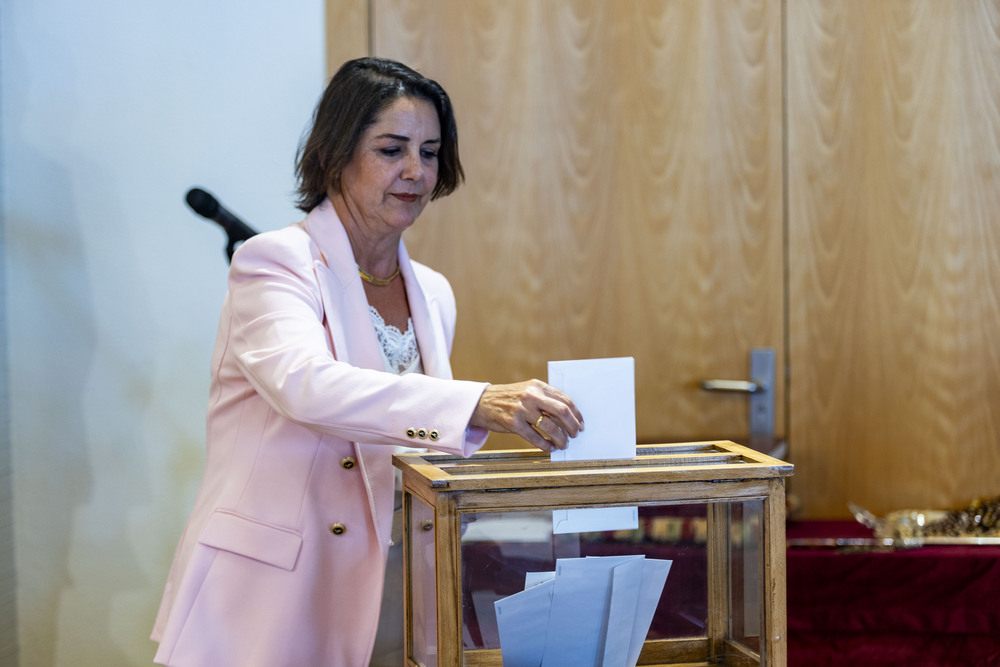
479 533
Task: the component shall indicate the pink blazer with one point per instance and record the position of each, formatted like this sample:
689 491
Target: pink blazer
282 560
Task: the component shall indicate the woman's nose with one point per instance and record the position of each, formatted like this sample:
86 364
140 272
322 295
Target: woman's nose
413 168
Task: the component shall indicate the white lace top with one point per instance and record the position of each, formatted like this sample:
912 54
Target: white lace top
400 354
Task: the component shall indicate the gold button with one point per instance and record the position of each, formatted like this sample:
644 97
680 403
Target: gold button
434 435
347 462
422 433
411 432
338 529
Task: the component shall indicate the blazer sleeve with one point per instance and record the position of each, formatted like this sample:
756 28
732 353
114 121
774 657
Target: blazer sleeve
278 341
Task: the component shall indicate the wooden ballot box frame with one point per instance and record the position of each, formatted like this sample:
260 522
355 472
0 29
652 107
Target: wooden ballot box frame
718 474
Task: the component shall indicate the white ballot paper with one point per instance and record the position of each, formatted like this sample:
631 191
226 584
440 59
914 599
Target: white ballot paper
604 391
595 612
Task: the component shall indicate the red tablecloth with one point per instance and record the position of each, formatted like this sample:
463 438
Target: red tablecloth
937 605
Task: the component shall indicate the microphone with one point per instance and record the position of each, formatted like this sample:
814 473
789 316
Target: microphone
209 207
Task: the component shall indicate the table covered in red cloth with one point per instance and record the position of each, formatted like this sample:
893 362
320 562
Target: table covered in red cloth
934 605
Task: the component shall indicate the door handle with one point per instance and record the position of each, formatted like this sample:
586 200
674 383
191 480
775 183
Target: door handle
741 386
759 388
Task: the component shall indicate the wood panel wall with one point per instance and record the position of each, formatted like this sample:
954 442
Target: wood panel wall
641 176
894 233
623 192
347 32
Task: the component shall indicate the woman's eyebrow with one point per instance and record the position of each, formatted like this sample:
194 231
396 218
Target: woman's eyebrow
400 137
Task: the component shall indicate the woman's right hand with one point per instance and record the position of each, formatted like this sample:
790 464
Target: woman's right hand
534 410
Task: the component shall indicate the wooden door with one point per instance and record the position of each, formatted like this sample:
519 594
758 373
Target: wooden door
623 194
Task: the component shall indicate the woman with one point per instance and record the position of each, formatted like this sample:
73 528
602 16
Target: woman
332 349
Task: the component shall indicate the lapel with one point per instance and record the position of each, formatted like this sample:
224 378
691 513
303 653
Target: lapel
427 321
345 308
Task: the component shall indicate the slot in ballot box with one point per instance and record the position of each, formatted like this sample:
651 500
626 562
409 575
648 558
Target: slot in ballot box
477 530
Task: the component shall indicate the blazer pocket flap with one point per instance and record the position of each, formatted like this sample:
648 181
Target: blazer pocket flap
244 536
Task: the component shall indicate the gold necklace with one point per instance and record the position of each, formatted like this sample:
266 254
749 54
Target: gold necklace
378 282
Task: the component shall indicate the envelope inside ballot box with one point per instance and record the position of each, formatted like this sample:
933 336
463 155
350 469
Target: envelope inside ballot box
590 611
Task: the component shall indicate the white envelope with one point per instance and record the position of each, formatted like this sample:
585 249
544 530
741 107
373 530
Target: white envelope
625 581
654 576
578 616
522 622
595 612
604 391
590 519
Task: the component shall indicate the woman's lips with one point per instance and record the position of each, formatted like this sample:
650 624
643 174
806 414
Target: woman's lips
408 198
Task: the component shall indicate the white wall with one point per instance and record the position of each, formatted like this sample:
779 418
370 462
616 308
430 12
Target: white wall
111 110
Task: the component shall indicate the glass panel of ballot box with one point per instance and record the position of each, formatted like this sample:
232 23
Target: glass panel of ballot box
675 557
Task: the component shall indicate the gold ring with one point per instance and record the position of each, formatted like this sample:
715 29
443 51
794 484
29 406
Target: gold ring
537 426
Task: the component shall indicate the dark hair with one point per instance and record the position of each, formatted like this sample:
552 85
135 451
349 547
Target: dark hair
359 91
